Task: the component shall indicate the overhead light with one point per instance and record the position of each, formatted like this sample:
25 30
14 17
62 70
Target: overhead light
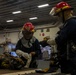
33 18
44 5
16 12
9 21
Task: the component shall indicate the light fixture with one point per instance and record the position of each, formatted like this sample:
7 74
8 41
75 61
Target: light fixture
9 21
33 18
44 5
16 12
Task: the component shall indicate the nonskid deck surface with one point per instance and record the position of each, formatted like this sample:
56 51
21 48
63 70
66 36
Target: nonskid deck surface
26 72
16 72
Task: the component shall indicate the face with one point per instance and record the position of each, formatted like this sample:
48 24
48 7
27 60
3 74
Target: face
67 13
27 35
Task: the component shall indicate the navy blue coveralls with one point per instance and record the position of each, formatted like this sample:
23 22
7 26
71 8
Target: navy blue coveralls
34 48
65 35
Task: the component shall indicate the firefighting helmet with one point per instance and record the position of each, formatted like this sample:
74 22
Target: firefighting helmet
61 6
28 26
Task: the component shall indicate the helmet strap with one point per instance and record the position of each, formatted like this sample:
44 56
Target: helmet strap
63 17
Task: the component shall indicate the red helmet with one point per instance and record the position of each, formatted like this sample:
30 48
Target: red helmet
29 27
61 6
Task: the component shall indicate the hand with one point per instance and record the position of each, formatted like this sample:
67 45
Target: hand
32 53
